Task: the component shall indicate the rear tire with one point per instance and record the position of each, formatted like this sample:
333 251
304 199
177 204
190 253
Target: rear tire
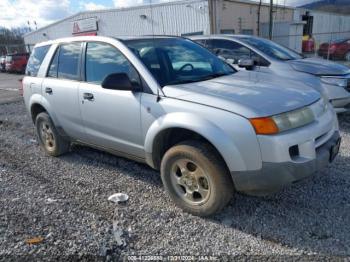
48 137
196 178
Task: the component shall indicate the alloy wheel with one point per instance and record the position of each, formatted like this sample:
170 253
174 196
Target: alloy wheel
47 136
190 181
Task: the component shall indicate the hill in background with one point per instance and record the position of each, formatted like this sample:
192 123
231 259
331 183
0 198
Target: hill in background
336 6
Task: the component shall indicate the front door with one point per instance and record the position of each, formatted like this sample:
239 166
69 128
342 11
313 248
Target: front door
111 117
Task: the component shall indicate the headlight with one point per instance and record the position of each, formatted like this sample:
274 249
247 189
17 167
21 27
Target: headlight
282 122
294 119
335 81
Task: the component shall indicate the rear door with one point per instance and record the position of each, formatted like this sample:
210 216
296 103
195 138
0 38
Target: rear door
111 117
60 88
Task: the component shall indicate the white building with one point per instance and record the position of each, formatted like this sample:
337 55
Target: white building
189 18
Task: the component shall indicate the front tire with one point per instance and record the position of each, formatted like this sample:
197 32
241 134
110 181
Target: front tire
196 178
48 137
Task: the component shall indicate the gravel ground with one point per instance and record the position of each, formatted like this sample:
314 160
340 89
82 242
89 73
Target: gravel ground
64 201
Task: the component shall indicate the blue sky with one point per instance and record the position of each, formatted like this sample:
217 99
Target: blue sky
17 13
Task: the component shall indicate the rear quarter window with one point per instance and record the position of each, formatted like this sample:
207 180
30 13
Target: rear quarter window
35 60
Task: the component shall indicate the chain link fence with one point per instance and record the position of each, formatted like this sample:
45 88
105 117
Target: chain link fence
333 46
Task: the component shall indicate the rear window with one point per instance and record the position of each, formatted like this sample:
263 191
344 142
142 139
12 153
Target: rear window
8 58
36 59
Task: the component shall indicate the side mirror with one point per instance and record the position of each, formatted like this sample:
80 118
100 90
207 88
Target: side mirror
119 81
247 63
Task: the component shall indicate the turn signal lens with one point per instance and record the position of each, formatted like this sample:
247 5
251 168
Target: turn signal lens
264 126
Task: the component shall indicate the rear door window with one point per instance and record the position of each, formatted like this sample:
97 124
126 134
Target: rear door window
35 60
69 61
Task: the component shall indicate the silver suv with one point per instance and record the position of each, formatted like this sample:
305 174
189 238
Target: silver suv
172 104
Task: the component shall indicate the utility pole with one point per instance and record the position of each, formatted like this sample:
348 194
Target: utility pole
240 25
271 19
258 22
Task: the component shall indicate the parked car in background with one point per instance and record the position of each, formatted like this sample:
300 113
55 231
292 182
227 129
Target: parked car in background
2 63
16 63
254 53
172 104
337 49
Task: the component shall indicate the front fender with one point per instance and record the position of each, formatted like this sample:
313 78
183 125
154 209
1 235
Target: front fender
213 133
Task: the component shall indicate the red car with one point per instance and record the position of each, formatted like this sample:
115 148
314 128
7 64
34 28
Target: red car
338 49
16 63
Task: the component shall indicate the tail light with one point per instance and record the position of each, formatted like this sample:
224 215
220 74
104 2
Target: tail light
20 89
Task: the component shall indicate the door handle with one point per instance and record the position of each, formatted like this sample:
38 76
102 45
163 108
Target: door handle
48 90
88 96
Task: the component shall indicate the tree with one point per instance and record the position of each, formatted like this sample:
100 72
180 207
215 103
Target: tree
11 40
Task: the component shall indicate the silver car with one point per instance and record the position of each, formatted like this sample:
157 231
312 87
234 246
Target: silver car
172 104
250 52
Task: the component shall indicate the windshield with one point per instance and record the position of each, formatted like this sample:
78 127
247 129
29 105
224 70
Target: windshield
177 60
271 49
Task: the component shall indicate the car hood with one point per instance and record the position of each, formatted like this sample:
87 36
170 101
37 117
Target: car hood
248 93
317 66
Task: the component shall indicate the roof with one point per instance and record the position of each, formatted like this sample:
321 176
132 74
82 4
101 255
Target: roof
226 36
100 38
136 37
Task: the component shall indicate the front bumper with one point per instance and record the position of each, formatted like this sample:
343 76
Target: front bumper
273 176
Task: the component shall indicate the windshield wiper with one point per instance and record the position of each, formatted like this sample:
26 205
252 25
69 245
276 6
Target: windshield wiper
207 77
179 82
